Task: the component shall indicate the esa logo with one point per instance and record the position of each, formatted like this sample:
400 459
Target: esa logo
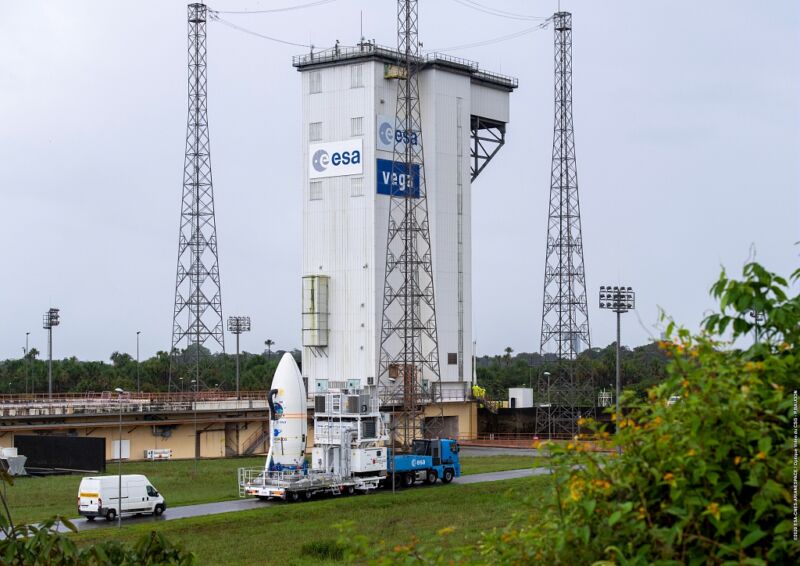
418 462
321 160
388 137
334 159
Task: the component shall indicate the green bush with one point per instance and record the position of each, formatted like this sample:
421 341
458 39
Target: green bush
705 480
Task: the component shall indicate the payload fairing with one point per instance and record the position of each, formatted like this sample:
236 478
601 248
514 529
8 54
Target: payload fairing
288 413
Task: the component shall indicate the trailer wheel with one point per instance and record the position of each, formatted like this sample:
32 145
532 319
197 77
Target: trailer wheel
448 476
431 477
111 515
307 495
408 480
294 496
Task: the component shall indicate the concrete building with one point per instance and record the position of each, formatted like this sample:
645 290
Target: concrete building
520 397
349 98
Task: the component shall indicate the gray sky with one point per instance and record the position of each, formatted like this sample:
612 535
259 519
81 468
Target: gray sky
687 115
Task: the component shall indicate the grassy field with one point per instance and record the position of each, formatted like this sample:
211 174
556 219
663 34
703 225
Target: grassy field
277 534
33 499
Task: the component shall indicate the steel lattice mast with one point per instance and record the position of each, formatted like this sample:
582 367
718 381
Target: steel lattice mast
565 314
198 299
408 373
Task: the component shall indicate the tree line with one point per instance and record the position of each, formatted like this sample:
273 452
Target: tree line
71 375
642 367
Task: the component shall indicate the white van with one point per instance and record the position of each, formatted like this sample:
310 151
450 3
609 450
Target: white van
98 496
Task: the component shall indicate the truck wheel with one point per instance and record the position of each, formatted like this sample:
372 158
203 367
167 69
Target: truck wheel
111 515
158 510
294 496
431 477
448 476
408 480
307 495
350 490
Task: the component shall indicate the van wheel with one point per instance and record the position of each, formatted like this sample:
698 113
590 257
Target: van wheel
111 515
158 510
448 476
90 518
294 496
408 480
431 477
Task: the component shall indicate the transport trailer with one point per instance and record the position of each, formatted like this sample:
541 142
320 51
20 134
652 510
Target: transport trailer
430 460
299 486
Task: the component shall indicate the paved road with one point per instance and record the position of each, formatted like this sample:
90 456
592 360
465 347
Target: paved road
494 451
202 509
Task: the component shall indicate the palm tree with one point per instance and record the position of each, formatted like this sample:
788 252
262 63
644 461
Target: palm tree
508 351
269 343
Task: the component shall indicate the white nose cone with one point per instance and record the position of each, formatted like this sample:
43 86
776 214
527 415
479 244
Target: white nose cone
288 417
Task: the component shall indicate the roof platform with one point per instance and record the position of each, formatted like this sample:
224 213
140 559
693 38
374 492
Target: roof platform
370 51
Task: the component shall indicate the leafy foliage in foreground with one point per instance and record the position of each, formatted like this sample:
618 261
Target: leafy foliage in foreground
707 479
29 545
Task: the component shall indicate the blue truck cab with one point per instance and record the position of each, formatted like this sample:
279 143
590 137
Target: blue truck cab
430 460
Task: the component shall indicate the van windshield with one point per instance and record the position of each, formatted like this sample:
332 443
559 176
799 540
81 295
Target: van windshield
151 491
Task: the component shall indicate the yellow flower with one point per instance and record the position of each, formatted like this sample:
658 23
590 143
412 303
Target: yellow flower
685 383
669 476
445 531
713 508
581 421
761 456
691 452
737 460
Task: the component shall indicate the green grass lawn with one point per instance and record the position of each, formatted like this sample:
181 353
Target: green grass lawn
276 534
33 499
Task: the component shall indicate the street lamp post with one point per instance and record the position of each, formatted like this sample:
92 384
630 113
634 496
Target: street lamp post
51 319
549 408
620 300
28 362
138 383
237 325
758 319
119 391
194 407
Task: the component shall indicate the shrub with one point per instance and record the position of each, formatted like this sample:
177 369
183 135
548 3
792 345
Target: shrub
707 479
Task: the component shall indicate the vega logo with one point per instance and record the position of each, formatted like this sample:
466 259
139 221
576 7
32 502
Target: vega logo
396 180
387 136
334 159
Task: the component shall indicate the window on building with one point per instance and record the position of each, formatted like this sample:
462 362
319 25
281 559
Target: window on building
315 190
356 76
357 126
315 131
356 186
315 82
452 359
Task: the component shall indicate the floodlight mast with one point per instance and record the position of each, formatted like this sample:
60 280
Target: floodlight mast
50 319
237 325
619 299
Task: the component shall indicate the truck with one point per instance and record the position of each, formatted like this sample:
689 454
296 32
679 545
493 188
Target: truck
430 459
98 496
349 453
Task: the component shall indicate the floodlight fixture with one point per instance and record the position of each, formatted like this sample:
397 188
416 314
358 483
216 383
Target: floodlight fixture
49 320
237 325
619 299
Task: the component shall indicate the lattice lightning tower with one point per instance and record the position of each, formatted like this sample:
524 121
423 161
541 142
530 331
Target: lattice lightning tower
565 315
408 373
198 298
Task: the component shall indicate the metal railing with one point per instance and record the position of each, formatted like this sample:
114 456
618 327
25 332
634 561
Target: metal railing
367 48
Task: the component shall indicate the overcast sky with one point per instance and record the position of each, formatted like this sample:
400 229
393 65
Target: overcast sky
687 119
